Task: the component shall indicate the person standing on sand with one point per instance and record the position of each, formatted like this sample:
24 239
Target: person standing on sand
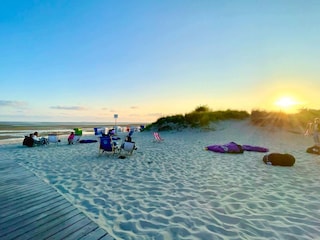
70 138
314 129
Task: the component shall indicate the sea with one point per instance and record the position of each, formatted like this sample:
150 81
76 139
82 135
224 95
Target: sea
16 131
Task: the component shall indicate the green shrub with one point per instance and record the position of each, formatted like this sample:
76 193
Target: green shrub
202 116
202 108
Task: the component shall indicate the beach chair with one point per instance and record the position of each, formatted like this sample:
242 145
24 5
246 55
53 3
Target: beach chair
107 146
53 138
128 147
100 130
157 137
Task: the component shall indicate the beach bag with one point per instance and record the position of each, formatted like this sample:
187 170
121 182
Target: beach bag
314 150
279 159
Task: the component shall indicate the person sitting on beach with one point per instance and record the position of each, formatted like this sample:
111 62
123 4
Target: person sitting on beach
70 138
128 139
314 129
111 134
39 140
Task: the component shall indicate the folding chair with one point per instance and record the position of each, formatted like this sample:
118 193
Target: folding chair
128 147
53 138
157 137
106 145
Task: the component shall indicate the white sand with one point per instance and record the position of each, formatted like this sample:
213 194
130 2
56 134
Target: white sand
177 190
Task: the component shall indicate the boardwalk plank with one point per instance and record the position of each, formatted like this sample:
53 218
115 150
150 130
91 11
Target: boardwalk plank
27 213
106 237
32 223
12 191
34 228
98 233
58 225
24 181
78 226
31 209
82 231
32 195
29 203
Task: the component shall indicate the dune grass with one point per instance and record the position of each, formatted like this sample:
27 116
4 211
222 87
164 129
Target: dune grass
202 116
296 122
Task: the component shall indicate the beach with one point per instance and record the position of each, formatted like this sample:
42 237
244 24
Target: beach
177 190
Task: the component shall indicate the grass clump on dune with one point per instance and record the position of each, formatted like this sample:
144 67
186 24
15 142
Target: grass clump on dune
201 117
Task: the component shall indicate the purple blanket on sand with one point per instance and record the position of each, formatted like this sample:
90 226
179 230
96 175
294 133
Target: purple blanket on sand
233 147
254 148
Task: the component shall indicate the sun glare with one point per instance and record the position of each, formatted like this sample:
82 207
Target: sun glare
287 104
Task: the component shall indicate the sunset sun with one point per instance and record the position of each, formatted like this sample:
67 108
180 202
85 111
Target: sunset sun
287 104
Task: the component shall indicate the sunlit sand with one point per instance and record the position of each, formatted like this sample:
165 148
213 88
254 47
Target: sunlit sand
177 190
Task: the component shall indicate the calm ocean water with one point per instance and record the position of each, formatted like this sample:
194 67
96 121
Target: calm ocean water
15 131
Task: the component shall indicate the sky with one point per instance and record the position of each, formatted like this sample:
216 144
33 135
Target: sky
81 60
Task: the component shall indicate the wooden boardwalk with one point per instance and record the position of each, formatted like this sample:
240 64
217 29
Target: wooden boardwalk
31 209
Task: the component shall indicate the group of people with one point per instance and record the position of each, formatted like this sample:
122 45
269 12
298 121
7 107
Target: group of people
34 139
39 140
111 134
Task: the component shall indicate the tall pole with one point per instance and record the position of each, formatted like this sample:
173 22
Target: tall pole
115 123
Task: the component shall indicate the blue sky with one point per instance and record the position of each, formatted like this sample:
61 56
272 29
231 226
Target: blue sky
82 60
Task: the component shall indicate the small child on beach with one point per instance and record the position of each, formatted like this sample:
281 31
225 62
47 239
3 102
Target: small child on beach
70 138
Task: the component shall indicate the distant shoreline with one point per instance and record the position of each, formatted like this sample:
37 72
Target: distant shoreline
61 125
17 130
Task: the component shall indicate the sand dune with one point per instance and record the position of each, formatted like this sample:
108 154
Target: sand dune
177 190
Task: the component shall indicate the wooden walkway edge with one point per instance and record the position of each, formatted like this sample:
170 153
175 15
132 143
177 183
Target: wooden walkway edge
31 209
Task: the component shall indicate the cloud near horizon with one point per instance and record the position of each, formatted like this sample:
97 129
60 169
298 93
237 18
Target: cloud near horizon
76 108
155 115
6 103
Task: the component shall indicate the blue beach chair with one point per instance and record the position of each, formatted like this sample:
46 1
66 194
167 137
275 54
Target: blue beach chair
106 145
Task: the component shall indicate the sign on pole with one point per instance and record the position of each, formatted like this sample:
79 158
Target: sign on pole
115 123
